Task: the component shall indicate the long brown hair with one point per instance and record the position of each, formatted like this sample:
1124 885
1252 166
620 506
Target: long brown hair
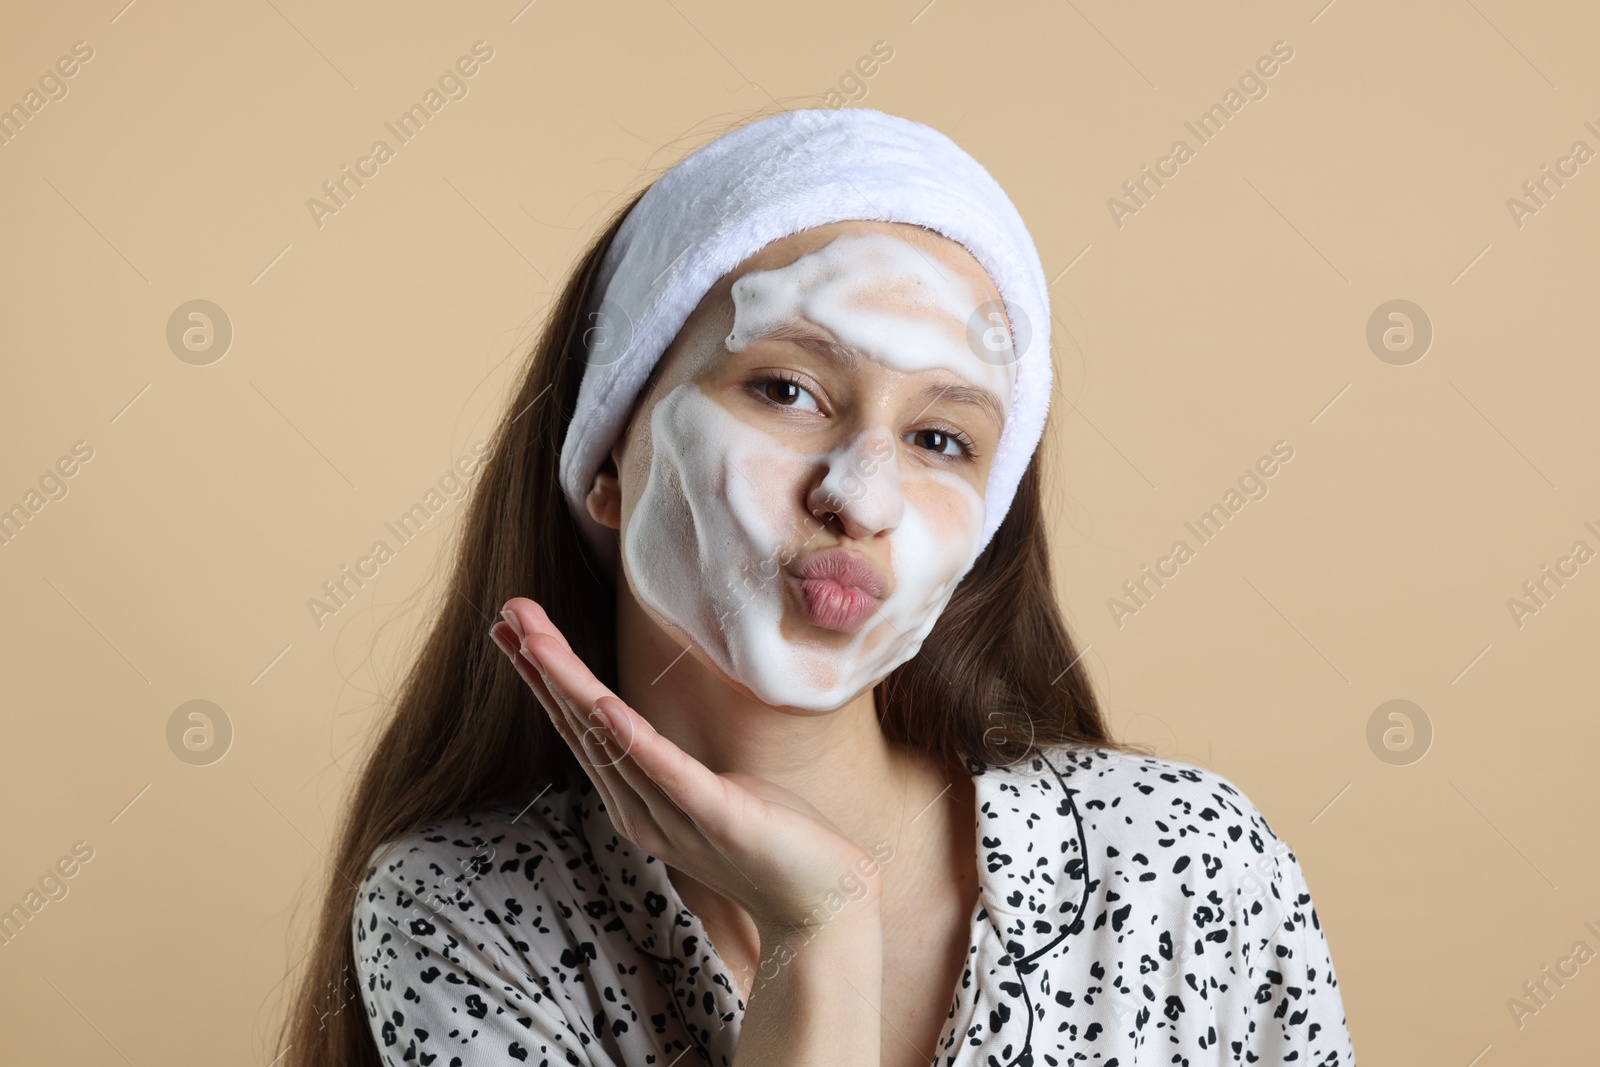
997 679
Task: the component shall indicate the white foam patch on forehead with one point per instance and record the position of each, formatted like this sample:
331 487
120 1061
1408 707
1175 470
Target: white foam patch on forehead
877 293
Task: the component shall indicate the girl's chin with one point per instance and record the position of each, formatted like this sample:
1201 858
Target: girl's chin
806 646
788 703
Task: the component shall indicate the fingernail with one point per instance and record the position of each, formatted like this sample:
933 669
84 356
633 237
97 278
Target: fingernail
604 719
513 622
505 645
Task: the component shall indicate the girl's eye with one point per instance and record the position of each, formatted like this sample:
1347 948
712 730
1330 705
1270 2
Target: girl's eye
788 393
941 442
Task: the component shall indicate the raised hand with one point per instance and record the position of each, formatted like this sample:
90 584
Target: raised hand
754 842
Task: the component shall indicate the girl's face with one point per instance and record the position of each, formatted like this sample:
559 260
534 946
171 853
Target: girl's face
802 487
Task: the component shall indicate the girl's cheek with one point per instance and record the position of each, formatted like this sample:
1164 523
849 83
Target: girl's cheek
768 500
775 472
952 510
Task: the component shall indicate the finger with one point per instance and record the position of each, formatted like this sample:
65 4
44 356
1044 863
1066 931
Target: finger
528 617
607 751
537 649
576 688
656 766
599 751
626 730
673 786
556 709
697 802
508 643
674 797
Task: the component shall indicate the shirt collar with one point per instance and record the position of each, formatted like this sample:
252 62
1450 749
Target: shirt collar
1030 851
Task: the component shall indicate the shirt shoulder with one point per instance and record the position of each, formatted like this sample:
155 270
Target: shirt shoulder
536 917
1070 820
1177 894
1163 802
473 857
462 939
1161 828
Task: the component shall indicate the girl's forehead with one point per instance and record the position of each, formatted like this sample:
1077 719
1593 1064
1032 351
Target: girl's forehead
700 347
879 295
934 248
857 269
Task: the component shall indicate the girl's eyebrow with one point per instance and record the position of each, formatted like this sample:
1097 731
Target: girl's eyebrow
819 340
982 399
816 339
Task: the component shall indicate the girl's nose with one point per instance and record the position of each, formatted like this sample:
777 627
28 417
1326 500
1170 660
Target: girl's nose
861 484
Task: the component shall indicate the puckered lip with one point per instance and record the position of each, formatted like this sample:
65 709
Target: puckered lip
849 569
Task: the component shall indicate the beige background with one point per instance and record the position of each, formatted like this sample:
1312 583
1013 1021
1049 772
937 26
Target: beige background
1229 313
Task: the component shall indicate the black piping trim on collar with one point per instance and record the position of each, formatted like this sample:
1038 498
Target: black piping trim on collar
1026 1052
1083 851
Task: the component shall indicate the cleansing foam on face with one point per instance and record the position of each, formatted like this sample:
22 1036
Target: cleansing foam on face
721 525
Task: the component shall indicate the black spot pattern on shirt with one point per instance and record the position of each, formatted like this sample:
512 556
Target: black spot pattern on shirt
1134 911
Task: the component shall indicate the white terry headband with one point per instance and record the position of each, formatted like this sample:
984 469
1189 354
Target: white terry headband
763 182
